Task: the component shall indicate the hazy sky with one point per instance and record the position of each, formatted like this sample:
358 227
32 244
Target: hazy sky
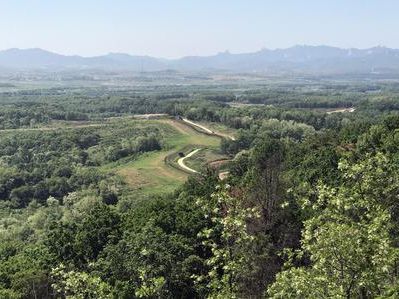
173 28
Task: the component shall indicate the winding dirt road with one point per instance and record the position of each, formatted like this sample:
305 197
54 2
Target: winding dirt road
184 166
222 175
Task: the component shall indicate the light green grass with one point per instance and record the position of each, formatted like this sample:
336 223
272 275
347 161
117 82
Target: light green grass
149 174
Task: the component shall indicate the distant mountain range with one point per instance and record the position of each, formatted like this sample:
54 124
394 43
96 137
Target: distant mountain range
299 59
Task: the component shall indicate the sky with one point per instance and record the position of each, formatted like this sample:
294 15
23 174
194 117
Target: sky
176 28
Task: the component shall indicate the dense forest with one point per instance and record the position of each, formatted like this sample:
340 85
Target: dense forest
309 208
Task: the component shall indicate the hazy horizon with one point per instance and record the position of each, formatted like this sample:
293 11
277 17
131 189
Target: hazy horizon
176 58
175 29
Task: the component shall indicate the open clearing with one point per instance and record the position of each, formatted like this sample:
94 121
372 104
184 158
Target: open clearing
150 174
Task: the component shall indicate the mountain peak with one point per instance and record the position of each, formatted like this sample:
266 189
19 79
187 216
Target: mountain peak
299 58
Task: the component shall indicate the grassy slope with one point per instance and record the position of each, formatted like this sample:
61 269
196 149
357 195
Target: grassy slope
150 174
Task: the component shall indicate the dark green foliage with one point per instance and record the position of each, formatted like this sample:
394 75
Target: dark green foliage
82 242
24 270
99 228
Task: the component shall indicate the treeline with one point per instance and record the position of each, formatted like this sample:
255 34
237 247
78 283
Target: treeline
290 97
299 103
13 118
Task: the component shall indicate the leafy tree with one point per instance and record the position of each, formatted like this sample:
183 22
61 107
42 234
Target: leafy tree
79 285
24 272
229 242
149 287
348 238
98 228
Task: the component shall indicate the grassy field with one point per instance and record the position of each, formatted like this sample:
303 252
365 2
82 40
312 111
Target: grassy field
150 174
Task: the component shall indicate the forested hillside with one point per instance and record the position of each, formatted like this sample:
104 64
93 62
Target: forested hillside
94 205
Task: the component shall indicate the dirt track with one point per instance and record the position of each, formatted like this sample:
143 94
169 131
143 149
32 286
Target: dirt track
208 131
184 166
